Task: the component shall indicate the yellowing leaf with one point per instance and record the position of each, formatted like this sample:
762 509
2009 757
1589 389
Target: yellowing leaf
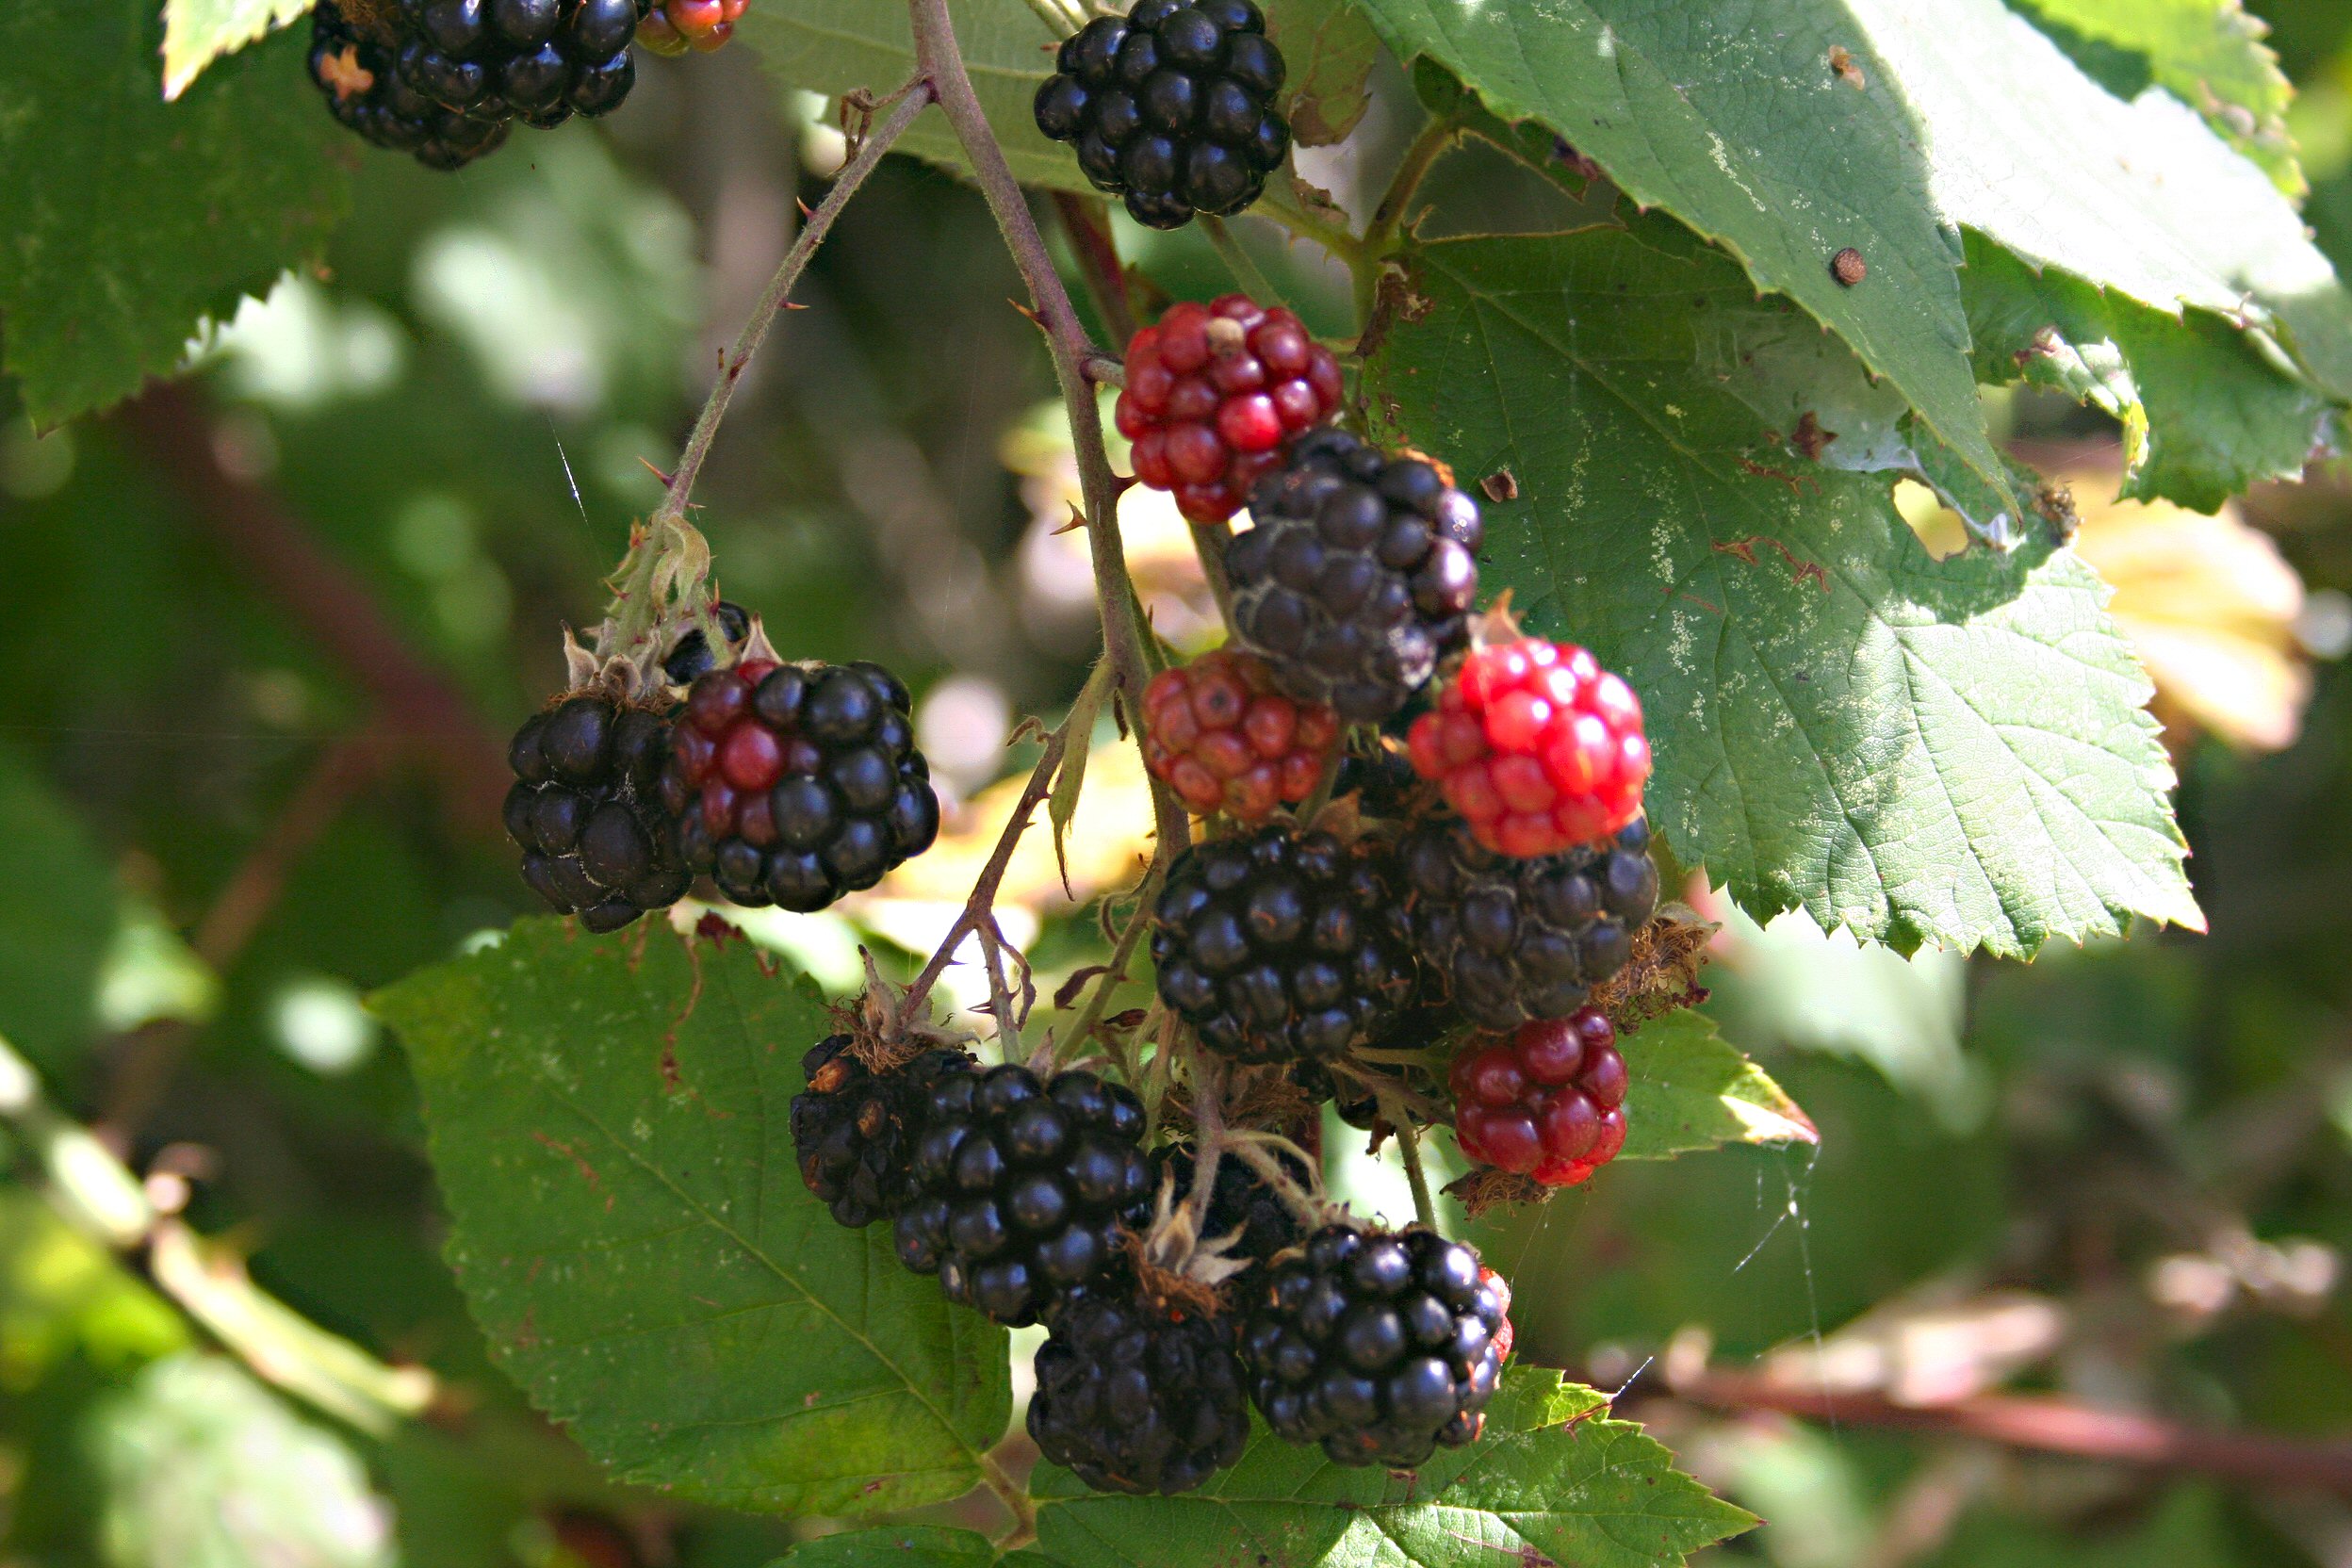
2210 605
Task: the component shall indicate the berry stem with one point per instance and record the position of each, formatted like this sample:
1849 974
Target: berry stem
982 900
1087 224
1261 1152
1409 1146
912 99
1244 266
941 62
1208 542
1122 956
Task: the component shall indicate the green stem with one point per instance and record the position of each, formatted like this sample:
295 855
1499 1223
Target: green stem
1436 137
911 102
1409 1146
1240 263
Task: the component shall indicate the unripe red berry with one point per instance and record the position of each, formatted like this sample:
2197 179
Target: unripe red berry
1538 747
1219 734
1213 392
1548 1102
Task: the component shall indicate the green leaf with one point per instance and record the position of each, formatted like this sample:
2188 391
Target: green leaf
2138 198
609 1122
1691 1091
128 222
203 1469
1951 752
1552 1477
893 1546
1329 50
2209 54
56 922
2204 412
197 32
1730 117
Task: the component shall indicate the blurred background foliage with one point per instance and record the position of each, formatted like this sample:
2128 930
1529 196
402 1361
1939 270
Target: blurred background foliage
269 623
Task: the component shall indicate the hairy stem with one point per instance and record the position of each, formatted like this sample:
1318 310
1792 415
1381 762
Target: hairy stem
1409 1146
941 61
911 102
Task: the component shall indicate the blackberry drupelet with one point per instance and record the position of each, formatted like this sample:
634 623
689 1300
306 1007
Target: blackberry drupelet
1138 1398
1378 1345
1508 940
540 61
1276 945
1172 107
796 783
357 73
586 809
691 657
1023 1188
1358 575
855 1130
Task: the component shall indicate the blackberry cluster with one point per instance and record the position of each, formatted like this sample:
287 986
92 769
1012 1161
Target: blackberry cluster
1224 740
1023 1188
691 657
1548 1102
1172 107
1138 1398
584 809
1277 944
796 783
1358 576
367 93
1378 1347
1213 391
856 1129
445 78
1512 939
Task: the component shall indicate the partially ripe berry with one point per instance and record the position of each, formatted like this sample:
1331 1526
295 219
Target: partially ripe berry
1547 1103
1213 394
1537 746
1224 740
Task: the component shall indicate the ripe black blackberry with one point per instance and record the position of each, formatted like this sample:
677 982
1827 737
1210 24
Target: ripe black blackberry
855 1130
540 61
691 657
1357 576
796 783
1242 1204
1510 940
584 808
1378 1347
1023 1188
356 71
1136 1396
1277 944
1172 107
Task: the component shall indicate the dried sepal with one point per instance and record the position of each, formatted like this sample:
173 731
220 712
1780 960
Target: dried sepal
881 1032
1662 976
1486 1187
